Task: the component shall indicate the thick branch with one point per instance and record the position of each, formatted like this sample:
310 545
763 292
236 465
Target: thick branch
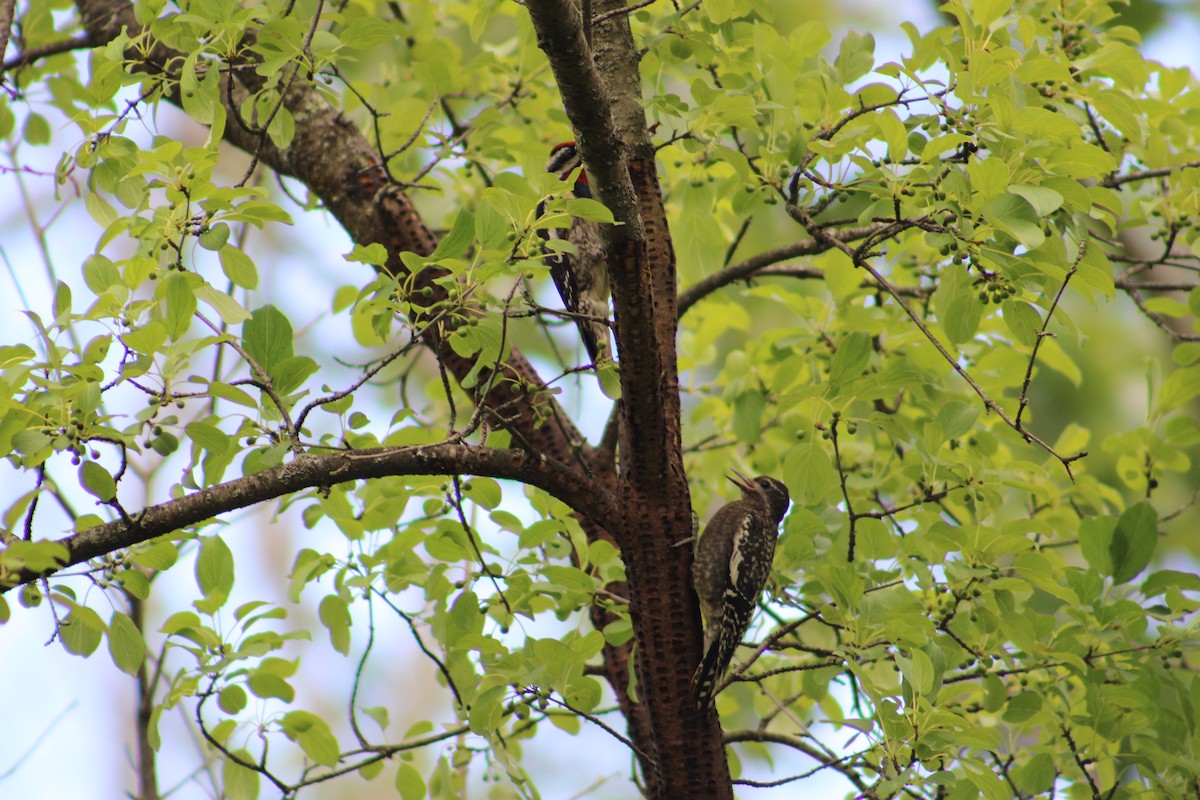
601 92
560 35
7 7
310 471
756 263
35 54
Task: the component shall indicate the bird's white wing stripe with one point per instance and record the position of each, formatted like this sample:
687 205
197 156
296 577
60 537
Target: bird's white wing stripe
737 556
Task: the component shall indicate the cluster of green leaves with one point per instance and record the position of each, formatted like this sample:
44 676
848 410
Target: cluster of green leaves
165 198
994 622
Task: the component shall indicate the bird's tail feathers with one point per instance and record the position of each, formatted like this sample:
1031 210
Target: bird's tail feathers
708 674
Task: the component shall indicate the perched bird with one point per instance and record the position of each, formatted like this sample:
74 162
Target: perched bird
580 277
732 563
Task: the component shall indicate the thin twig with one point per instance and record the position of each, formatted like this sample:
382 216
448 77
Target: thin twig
421 644
1037 342
601 724
616 12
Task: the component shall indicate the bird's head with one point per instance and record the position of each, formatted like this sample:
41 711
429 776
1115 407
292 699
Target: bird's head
771 492
564 159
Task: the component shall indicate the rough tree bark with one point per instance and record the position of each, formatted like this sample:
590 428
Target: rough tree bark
598 80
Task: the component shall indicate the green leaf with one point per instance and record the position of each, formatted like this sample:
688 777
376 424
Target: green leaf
1042 573
1095 270
1022 707
465 616
809 472
100 210
215 237
1133 541
1095 541
165 443
721 11
363 33
179 621
290 374
856 56
206 434
842 583
198 89
1023 321
1159 582
1013 214
283 127
484 491
125 643
99 273
258 212
491 227
374 253
587 209
267 336
609 377
37 129
176 289
1036 775
232 394
147 339
455 243
238 267
95 352
240 783
583 692
62 301
96 480
82 631
987 782
13 354
232 699
214 569
848 363
230 311
989 177
313 735
918 671
962 317
487 710
335 616
940 144
409 782
956 418
747 416
985 12
1045 201
957 305
378 715
265 685
30 442
157 555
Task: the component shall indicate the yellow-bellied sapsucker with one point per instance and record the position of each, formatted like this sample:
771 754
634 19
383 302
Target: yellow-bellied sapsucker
580 277
732 563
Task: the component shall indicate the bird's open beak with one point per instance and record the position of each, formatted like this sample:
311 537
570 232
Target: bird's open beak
742 482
